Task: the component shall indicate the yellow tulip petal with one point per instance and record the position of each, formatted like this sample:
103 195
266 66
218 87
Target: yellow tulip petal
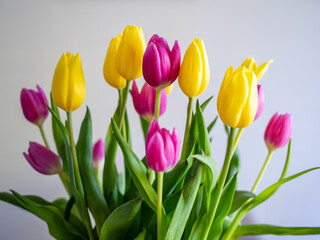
169 89
262 69
205 67
248 63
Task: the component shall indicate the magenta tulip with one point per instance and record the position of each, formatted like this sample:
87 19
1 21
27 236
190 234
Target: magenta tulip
34 105
98 153
278 131
260 102
161 66
144 102
42 159
162 148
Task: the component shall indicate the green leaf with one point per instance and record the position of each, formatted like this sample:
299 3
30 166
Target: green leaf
286 165
94 197
184 206
191 140
240 197
262 229
137 170
123 222
212 124
203 139
223 208
142 235
198 228
204 105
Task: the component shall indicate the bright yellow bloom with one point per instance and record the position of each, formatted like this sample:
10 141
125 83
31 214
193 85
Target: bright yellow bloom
68 85
110 72
169 88
251 65
194 72
238 98
130 53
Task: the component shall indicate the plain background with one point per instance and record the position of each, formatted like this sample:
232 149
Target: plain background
34 34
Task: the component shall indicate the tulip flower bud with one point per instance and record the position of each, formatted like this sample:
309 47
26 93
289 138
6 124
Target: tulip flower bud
278 131
43 160
194 73
144 102
238 100
34 105
130 53
98 153
160 65
260 102
162 148
68 86
110 72
251 65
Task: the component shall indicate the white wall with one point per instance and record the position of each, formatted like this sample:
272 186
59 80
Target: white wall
35 33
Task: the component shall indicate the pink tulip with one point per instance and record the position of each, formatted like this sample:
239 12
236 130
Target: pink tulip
42 159
161 66
260 102
98 152
162 148
278 131
144 102
34 105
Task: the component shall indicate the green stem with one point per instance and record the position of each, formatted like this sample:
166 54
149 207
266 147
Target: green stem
159 205
97 173
66 182
86 217
222 179
261 172
157 106
187 129
44 136
123 102
236 140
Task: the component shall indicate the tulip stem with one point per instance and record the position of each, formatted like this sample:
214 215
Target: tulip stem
157 105
261 172
123 102
44 137
236 140
159 205
66 182
187 129
221 181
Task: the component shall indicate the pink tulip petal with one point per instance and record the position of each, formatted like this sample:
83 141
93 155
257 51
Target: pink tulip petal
153 127
156 158
151 66
175 57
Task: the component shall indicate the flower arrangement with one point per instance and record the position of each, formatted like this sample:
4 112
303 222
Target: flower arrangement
176 191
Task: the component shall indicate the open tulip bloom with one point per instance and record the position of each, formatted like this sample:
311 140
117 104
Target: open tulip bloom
167 194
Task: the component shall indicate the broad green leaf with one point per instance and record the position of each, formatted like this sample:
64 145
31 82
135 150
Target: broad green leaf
184 206
137 170
142 235
197 232
203 139
94 197
191 140
262 229
240 197
212 124
205 103
123 222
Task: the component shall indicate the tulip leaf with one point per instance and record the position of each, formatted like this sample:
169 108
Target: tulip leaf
204 139
142 235
185 204
261 229
123 222
205 103
193 134
286 165
240 197
197 231
137 170
223 209
212 124
94 197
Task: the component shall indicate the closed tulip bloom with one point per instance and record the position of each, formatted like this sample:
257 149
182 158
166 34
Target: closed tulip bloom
42 159
34 105
68 86
98 153
260 102
238 99
259 71
110 72
130 53
278 131
144 102
160 65
194 73
162 148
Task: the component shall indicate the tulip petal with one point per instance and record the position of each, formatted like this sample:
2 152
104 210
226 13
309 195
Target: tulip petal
153 127
165 63
205 67
34 164
151 65
155 153
136 98
175 58
176 144
169 150
262 69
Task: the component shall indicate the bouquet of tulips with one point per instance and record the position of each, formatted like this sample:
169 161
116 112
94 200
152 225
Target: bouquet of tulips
176 191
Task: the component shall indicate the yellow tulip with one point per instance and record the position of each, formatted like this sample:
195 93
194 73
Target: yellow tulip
251 65
238 98
68 86
130 53
110 72
194 72
169 88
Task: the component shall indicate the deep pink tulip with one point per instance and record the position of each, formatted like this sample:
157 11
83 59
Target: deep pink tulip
260 102
278 131
144 102
98 152
161 66
34 105
162 148
42 159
